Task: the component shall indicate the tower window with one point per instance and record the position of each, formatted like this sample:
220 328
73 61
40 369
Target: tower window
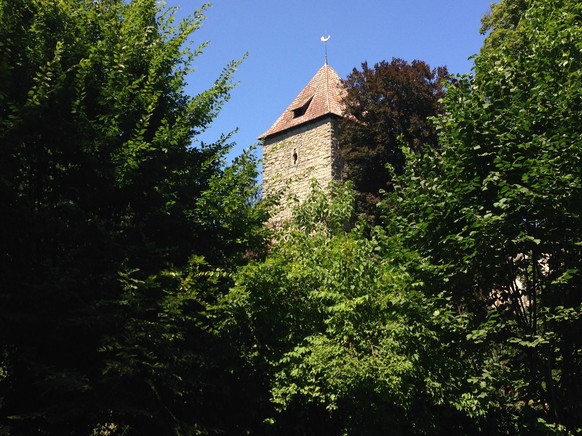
300 111
295 156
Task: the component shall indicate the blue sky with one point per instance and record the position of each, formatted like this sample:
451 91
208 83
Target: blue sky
282 39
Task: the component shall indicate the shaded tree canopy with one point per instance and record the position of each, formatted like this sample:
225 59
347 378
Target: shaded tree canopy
108 216
386 106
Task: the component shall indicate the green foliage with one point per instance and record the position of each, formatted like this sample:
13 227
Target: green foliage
386 105
340 334
497 212
501 22
119 240
106 212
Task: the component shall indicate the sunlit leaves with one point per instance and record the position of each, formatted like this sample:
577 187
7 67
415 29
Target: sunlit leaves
497 209
333 322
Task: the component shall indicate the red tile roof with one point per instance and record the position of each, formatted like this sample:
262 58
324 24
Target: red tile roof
322 96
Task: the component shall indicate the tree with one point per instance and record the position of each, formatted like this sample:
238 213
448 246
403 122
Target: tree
341 337
496 211
112 223
501 22
385 105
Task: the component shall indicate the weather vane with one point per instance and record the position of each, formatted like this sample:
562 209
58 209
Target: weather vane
324 39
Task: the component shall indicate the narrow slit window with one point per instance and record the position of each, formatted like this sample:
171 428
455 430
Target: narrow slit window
295 156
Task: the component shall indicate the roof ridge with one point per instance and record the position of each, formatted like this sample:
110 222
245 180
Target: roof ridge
327 86
326 89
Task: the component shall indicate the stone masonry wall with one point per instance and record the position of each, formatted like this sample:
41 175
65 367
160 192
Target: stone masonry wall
292 159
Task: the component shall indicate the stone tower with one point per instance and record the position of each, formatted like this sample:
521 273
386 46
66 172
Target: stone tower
302 144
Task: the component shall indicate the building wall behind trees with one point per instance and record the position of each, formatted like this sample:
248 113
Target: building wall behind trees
294 158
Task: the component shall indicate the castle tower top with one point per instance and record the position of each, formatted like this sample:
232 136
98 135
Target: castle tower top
321 96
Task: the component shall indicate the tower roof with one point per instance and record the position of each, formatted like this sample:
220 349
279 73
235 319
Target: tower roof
321 96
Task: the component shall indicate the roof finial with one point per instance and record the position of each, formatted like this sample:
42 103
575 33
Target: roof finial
324 39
